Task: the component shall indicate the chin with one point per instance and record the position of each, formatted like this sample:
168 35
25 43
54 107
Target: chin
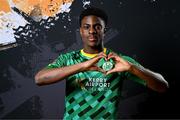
93 45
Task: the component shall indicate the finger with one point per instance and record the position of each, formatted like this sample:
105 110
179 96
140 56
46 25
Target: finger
101 70
95 68
114 57
111 55
93 61
105 56
111 71
98 57
102 53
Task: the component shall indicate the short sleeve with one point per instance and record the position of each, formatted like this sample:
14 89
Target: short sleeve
131 76
59 62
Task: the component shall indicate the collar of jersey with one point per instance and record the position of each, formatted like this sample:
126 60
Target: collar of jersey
88 55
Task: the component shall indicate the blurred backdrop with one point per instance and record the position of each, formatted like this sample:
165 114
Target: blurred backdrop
34 33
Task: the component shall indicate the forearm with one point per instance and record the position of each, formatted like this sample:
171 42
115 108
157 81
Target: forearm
49 76
154 80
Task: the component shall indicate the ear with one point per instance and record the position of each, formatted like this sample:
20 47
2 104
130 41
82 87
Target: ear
80 31
105 29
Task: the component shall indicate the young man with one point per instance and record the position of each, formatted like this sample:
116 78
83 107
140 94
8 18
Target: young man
94 74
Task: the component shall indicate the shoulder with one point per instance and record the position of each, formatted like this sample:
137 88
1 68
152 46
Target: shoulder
69 55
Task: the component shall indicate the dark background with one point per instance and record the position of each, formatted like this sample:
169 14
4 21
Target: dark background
146 30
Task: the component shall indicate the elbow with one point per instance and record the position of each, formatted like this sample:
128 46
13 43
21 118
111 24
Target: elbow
164 87
37 80
160 87
162 90
166 84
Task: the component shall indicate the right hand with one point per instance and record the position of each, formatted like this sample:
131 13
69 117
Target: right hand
91 64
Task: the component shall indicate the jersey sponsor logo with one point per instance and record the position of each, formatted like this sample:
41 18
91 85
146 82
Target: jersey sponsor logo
96 84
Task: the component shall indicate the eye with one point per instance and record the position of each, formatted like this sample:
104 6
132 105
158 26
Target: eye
86 27
98 27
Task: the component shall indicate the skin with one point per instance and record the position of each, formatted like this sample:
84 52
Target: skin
92 32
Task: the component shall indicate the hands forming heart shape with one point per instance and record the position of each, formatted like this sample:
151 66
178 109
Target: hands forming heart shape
107 64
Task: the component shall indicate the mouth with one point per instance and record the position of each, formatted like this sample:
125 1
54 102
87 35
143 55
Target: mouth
92 38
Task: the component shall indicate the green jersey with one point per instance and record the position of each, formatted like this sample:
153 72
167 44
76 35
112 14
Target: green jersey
91 94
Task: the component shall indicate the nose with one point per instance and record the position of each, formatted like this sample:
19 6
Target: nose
92 30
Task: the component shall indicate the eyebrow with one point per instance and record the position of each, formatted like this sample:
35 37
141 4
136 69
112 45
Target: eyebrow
93 24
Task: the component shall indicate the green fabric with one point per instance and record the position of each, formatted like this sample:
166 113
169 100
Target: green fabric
91 94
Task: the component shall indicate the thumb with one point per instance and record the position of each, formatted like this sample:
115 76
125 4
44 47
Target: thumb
111 71
96 68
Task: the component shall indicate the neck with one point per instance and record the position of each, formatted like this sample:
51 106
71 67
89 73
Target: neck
90 55
93 50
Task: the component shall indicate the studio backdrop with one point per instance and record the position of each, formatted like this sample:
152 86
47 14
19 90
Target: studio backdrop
34 32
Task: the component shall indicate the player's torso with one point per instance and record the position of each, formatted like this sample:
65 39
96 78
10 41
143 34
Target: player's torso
91 94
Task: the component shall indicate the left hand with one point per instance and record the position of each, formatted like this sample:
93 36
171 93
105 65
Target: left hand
120 64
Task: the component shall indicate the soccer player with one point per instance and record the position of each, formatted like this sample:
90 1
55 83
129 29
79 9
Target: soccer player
94 73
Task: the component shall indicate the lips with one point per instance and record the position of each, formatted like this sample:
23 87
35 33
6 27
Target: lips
92 38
